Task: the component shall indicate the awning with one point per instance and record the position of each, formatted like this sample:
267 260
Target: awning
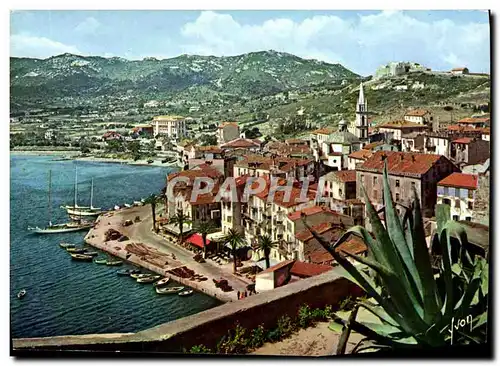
197 240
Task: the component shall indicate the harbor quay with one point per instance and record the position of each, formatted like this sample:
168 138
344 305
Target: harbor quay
154 252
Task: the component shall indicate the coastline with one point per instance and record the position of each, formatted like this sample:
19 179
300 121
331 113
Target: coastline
75 155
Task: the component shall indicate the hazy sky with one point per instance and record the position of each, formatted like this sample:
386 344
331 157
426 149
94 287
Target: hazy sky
360 40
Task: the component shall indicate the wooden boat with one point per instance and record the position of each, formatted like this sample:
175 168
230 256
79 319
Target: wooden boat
76 250
186 292
127 205
66 245
114 263
21 294
139 275
117 207
127 272
162 282
147 279
81 257
100 261
92 254
169 290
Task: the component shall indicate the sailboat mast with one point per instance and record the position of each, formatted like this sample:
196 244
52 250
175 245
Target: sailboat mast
91 193
76 186
50 198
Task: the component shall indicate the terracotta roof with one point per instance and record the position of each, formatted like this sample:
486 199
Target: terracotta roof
353 245
265 162
472 120
277 266
463 140
241 143
279 197
346 175
295 141
400 162
461 180
306 211
303 269
417 113
458 69
195 173
211 149
111 133
224 124
373 145
401 125
360 154
486 130
323 131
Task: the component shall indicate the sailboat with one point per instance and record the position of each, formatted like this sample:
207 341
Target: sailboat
76 211
59 228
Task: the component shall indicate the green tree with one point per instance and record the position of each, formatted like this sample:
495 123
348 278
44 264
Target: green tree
204 228
236 240
153 200
266 244
208 140
179 219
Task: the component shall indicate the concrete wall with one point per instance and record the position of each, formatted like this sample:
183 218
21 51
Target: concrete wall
209 326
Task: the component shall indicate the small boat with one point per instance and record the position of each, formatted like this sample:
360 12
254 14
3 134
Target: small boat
138 203
76 250
169 290
67 245
162 282
117 207
100 261
127 205
21 294
127 272
114 263
139 275
150 161
186 292
81 257
147 279
92 254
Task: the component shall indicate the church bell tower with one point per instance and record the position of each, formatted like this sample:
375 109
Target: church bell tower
361 123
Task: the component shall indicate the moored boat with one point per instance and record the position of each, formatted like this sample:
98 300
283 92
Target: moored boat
139 275
114 263
186 292
169 290
75 250
66 245
162 282
91 253
81 257
127 272
21 294
147 279
100 261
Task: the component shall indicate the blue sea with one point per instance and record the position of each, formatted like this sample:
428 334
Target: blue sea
66 297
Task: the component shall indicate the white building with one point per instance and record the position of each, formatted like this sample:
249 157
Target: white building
420 116
458 190
172 126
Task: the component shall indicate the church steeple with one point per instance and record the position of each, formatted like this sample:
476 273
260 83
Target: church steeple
362 117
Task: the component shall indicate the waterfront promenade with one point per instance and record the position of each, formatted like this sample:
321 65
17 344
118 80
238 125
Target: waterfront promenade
160 253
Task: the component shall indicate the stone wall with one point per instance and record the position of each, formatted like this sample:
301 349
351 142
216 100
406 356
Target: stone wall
209 326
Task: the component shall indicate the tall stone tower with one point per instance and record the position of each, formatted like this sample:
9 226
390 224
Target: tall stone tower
361 123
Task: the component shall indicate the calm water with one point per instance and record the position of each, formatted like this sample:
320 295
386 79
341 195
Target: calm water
67 297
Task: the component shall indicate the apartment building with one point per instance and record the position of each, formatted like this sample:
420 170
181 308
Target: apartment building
458 190
172 126
227 131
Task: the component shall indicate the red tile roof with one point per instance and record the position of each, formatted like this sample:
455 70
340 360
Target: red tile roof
373 145
400 162
265 162
353 245
323 131
303 269
306 211
296 141
417 113
461 180
458 69
196 173
486 130
224 124
474 120
401 125
463 140
277 266
241 143
360 154
209 149
346 175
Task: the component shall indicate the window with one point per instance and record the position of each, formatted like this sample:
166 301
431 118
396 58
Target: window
374 180
445 191
468 218
340 192
471 193
362 178
470 205
397 182
455 217
412 185
457 203
397 197
451 191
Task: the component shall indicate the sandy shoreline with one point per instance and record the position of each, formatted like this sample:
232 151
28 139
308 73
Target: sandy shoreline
75 155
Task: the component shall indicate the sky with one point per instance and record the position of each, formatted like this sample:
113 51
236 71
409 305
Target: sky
359 40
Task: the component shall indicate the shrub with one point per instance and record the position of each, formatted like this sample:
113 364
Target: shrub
305 316
234 343
200 349
257 337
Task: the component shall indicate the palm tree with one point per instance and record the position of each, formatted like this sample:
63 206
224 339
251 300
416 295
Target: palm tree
235 239
265 244
204 228
179 219
153 200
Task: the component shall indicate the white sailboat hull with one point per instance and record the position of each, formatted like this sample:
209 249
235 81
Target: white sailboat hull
57 229
82 211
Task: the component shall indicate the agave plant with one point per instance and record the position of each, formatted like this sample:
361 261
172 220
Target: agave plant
415 305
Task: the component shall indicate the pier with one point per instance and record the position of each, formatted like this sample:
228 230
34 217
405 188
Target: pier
155 253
